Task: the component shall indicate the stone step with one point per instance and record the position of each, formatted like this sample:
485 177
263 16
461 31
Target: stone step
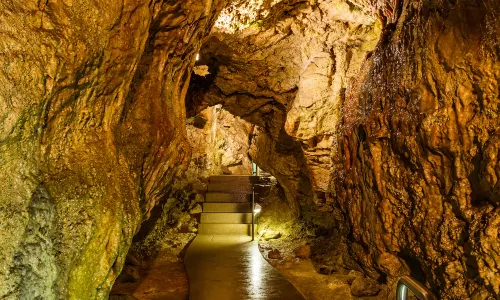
220 229
226 218
229 188
225 197
244 207
234 179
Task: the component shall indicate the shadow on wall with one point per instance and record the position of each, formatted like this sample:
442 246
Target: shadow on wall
283 158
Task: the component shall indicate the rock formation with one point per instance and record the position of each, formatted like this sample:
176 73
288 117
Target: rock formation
415 177
92 134
380 120
219 143
287 73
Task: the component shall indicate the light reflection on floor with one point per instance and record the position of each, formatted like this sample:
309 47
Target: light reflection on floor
231 267
255 285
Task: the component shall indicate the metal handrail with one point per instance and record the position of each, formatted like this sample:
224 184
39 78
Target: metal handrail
253 214
406 283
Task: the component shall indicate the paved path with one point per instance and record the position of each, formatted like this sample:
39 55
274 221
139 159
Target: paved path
227 267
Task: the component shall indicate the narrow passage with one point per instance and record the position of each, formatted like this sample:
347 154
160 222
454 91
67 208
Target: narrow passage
227 267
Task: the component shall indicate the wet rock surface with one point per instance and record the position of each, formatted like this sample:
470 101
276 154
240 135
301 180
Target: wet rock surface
417 125
380 127
378 118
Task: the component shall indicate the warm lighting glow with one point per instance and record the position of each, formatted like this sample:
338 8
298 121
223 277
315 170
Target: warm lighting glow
197 56
240 16
257 208
256 284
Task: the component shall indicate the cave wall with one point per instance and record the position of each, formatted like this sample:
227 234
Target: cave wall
285 67
416 178
383 115
92 133
219 143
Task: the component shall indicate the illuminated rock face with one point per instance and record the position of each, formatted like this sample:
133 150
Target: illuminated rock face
219 143
288 75
379 119
416 176
384 120
92 133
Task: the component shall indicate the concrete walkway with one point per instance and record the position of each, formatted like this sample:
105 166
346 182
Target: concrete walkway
227 267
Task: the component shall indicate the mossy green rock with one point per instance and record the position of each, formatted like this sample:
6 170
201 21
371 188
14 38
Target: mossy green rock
91 134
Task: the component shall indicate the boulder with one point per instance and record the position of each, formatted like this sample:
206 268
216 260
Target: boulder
199 198
196 209
271 236
274 254
129 274
303 251
362 287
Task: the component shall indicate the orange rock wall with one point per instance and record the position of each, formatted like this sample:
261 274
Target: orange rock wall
92 132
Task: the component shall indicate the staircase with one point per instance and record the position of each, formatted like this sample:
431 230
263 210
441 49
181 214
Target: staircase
228 205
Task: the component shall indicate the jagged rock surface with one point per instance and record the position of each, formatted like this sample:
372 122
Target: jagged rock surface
92 132
287 73
396 144
219 143
395 147
416 176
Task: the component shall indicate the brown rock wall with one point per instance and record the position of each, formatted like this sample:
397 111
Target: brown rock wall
284 159
414 177
220 144
286 70
397 143
92 133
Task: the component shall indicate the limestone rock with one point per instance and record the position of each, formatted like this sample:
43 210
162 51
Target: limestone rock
303 251
271 235
424 163
376 128
92 134
129 274
274 254
201 70
196 210
378 118
294 78
362 287
199 198
391 265
219 146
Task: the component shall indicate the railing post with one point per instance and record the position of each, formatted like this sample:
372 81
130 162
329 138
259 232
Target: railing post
402 292
253 214
406 283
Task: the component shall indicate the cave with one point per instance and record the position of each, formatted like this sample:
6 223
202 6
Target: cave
365 133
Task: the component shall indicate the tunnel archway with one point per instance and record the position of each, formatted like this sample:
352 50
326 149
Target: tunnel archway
378 118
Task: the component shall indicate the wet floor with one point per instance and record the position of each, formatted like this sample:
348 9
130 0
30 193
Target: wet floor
227 267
